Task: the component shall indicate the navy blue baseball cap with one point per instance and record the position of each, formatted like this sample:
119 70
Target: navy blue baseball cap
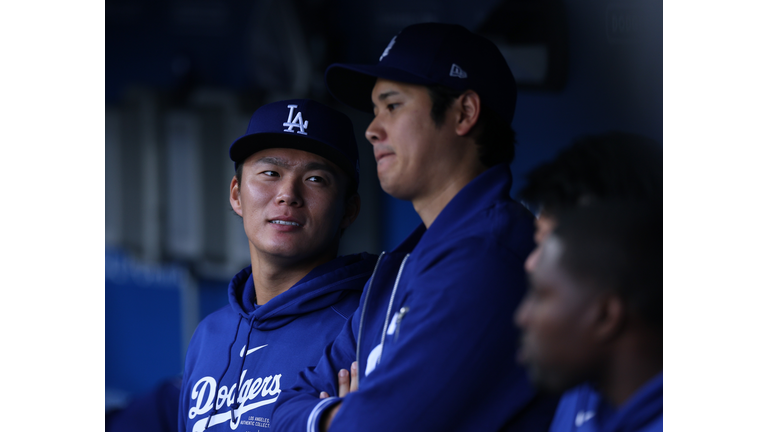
432 54
301 124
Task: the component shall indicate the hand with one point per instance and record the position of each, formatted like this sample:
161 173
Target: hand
348 381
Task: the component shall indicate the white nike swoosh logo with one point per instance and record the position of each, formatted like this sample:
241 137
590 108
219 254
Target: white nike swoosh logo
250 350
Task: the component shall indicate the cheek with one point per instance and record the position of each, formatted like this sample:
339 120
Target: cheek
326 211
255 198
550 329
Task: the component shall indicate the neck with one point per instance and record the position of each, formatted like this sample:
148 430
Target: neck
635 362
429 205
272 277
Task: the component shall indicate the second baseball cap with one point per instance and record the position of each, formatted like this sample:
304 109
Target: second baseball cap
301 124
432 54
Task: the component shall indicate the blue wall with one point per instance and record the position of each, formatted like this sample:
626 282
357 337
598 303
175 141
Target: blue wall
142 315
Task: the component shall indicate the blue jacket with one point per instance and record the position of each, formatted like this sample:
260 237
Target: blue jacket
243 355
583 409
433 337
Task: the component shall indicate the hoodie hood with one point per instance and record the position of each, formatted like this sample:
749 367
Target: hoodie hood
325 285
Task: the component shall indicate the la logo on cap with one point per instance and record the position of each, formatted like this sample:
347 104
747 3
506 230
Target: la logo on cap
298 121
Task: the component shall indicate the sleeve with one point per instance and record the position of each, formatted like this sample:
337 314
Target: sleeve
299 408
451 363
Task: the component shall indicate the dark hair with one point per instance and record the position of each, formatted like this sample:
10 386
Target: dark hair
617 246
494 136
613 165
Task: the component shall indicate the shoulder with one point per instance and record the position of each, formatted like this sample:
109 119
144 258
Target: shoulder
575 408
347 305
480 254
511 224
501 226
216 322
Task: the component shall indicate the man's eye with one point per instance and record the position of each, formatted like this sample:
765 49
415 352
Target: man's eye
392 106
316 179
271 173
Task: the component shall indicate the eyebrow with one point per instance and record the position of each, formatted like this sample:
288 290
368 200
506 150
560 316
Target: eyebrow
311 166
320 166
273 161
385 95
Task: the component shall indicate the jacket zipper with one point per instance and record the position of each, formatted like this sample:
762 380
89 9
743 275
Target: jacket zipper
389 308
362 313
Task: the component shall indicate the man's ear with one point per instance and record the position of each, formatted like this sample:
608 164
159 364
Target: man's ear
234 196
611 317
468 104
351 210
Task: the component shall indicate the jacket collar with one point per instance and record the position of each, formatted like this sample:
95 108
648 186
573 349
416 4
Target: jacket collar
477 196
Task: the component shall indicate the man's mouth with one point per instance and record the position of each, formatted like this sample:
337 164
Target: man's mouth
382 152
282 222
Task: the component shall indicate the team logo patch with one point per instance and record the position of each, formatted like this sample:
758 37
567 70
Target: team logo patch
389 47
297 122
458 72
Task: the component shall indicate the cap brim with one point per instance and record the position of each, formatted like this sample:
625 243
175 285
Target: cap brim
352 84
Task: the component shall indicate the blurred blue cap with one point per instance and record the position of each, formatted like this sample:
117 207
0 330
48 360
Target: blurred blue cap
301 124
432 54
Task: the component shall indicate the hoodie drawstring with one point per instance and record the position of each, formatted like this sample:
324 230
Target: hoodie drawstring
218 382
244 353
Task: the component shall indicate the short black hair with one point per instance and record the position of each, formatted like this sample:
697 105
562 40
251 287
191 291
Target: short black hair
617 245
493 135
612 165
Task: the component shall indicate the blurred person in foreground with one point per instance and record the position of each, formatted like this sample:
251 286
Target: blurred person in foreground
295 187
592 320
432 348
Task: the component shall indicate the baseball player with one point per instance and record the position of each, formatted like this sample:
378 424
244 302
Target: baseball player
432 345
295 187
592 321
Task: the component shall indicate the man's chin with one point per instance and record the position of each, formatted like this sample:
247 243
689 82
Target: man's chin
544 381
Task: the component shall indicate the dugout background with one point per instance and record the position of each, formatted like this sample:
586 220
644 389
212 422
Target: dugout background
183 78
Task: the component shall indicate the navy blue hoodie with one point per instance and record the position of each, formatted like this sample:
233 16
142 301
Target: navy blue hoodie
583 409
241 356
433 337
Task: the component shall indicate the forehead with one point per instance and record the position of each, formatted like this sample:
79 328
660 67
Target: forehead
551 248
385 88
544 226
291 158
550 272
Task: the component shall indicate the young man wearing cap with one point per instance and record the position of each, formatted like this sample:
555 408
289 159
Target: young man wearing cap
433 340
592 322
296 189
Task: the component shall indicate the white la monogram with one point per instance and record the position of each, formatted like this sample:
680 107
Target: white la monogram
298 121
